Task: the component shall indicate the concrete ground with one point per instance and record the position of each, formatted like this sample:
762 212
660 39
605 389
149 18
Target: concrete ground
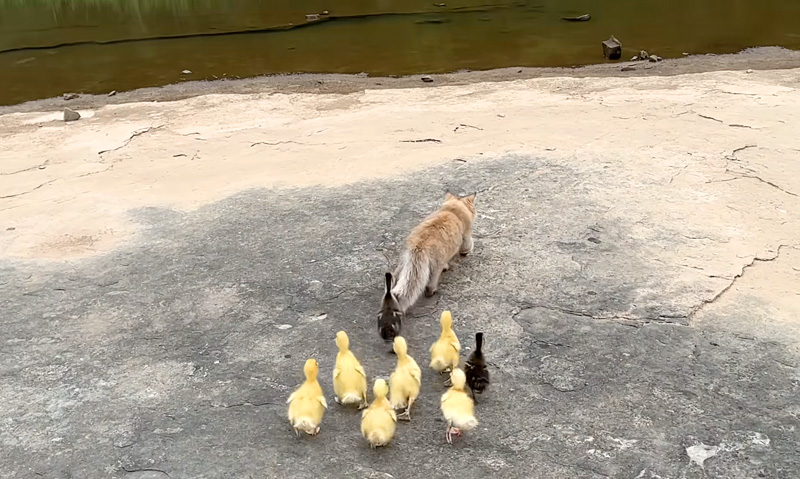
636 272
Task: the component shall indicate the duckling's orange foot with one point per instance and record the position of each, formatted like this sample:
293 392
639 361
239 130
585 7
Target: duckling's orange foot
405 415
316 431
448 435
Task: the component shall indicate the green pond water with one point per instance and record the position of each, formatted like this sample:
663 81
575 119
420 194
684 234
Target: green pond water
48 47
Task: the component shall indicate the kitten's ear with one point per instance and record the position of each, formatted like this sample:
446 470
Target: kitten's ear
470 199
449 196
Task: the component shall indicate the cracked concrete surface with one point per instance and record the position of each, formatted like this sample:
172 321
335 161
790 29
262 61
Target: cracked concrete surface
157 313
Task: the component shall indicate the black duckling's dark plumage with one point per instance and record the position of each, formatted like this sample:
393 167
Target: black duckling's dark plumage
475 369
390 319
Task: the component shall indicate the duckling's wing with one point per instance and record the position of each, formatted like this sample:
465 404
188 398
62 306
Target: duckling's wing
291 397
322 401
360 370
416 373
446 396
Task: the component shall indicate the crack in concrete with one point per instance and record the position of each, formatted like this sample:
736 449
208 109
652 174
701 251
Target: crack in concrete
739 176
275 143
661 319
423 140
130 138
755 177
709 118
95 172
29 191
783 363
695 310
35 167
768 183
732 156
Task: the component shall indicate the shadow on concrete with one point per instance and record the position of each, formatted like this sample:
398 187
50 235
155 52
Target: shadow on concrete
175 354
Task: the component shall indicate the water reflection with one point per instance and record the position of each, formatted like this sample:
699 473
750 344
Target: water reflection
376 36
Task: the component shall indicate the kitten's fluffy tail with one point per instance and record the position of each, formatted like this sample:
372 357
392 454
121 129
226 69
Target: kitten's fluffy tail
412 276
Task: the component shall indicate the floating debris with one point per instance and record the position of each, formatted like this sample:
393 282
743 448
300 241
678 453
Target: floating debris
582 18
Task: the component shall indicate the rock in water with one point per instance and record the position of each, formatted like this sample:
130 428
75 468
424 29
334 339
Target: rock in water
612 48
427 79
70 96
71 115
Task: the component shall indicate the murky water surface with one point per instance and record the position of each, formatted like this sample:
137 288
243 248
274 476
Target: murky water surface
48 47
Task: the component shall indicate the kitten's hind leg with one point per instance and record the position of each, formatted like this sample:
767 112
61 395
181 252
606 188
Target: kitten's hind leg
466 244
433 281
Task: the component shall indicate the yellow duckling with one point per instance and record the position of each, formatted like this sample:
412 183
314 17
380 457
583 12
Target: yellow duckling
349 378
405 381
444 352
307 403
457 407
379 420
